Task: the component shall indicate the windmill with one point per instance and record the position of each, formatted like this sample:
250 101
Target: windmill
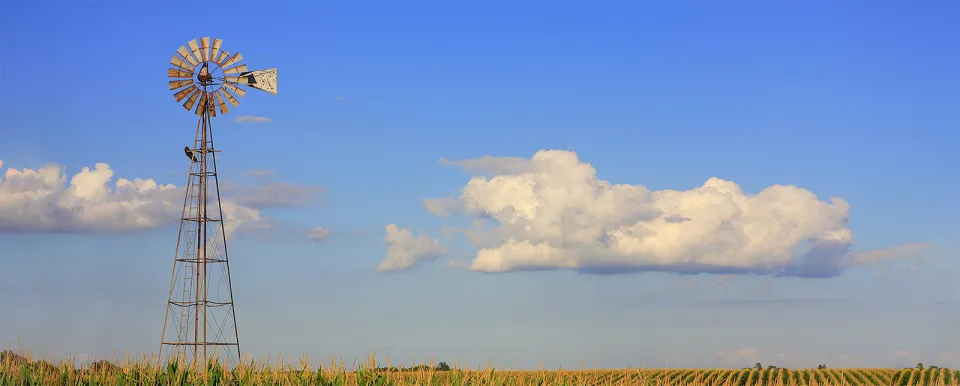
200 322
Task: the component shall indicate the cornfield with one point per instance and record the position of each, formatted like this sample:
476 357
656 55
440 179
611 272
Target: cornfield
17 369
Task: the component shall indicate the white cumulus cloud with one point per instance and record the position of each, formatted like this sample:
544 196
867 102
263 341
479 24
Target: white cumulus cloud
319 234
552 212
45 200
406 249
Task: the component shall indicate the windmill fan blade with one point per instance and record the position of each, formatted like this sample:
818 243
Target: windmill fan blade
202 104
179 95
174 73
179 62
236 58
186 55
210 104
226 95
224 55
237 69
218 99
232 86
215 54
265 80
195 49
205 48
175 84
191 100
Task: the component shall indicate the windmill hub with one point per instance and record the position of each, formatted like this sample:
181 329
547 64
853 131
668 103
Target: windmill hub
204 76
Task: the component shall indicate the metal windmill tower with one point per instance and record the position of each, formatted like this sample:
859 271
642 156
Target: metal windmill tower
200 322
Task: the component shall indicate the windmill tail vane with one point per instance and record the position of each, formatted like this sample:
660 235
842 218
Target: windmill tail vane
200 321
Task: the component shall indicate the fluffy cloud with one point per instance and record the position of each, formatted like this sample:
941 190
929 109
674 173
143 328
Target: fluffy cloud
552 212
252 119
43 200
319 234
406 249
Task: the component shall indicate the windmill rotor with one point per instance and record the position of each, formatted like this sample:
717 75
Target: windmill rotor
205 77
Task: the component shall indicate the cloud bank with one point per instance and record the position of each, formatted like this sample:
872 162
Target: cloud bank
552 212
406 249
43 200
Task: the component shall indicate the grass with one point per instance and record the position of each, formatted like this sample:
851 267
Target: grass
20 369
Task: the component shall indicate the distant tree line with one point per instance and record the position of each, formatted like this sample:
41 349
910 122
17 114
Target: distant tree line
919 366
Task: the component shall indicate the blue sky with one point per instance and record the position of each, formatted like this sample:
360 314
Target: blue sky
854 100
